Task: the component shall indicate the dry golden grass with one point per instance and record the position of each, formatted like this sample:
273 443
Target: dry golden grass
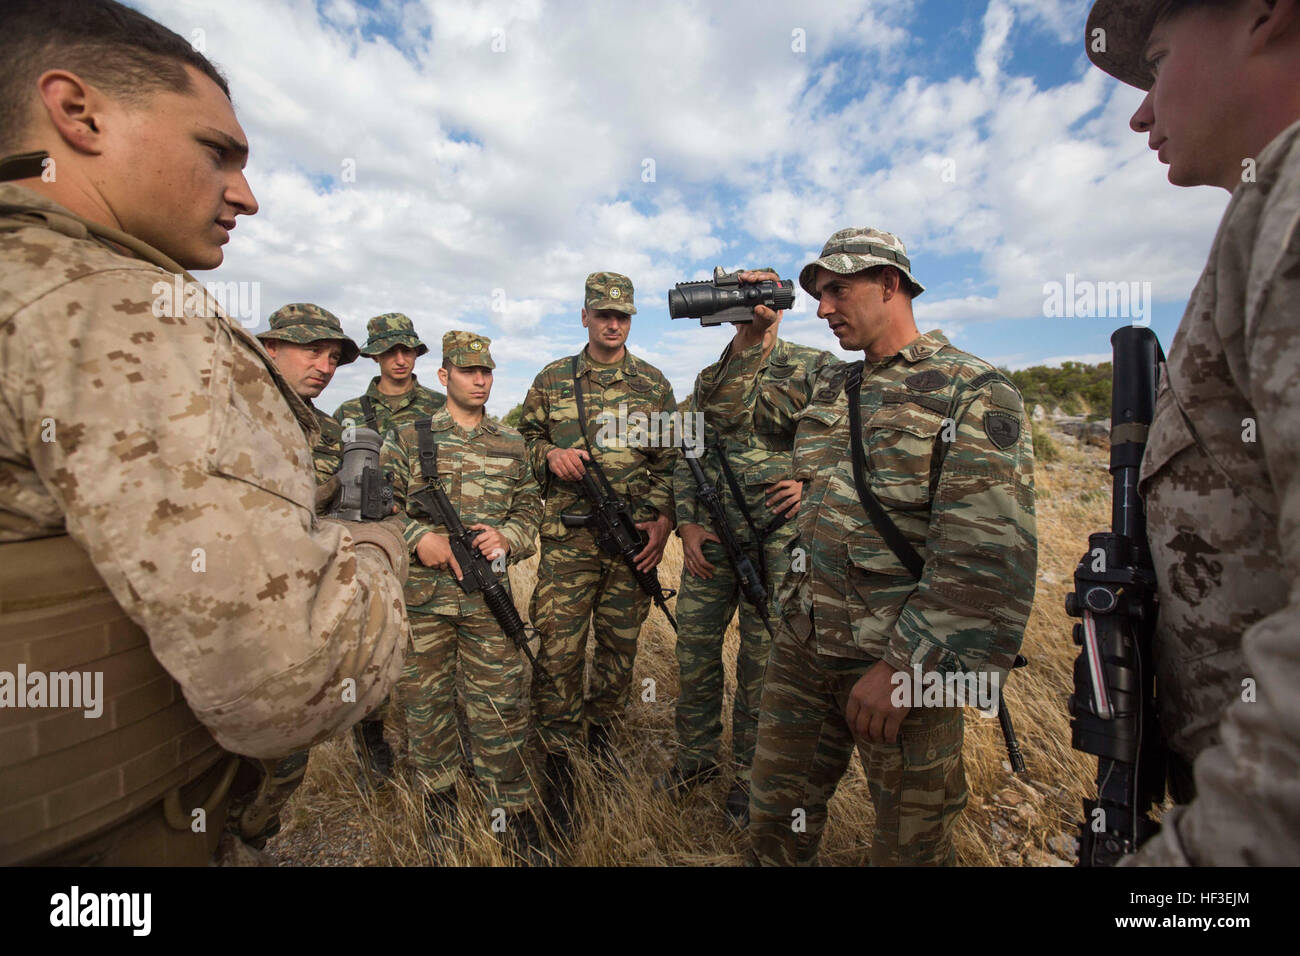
1009 820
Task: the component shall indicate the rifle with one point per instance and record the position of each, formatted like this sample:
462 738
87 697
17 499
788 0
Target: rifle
476 569
616 532
1113 704
752 584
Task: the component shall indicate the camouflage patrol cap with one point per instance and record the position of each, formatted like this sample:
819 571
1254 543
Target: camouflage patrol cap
467 349
1116 36
304 323
390 329
609 290
858 248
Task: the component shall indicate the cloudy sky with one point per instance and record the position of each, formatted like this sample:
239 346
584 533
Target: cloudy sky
468 163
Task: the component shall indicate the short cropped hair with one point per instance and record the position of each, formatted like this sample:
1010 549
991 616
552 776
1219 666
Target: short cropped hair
112 47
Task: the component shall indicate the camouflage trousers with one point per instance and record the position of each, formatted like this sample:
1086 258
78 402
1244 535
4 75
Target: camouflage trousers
917 784
255 814
577 586
493 697
704 610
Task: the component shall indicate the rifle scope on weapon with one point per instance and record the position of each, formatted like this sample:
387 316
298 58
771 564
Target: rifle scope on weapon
750 581
725 298
1113 705
616 532
365 492
478 574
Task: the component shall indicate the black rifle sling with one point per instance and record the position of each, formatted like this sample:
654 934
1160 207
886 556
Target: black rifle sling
881 521
428 449
368 412
582 412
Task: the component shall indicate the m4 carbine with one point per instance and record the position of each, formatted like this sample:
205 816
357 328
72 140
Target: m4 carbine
752 586
476 570
1113 705
615 531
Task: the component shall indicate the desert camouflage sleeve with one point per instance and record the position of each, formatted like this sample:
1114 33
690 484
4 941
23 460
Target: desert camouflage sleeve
182 470
1247 806
970 608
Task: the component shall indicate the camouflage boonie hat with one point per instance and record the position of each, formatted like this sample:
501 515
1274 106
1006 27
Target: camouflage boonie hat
1125 26
609 290
855 249
303 323
391 328
467 349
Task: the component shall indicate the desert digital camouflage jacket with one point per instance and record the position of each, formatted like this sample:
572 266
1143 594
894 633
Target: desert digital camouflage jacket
392 410
640 470
327 453
486 476
152 437
950 458
1221 479
750 403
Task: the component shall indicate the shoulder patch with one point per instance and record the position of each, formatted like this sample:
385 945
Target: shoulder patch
993 376
931 380
1004 396
1003 429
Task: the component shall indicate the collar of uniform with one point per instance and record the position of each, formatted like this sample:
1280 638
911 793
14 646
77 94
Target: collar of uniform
629 365
923 346
393 402
51 213
1268 167
442 421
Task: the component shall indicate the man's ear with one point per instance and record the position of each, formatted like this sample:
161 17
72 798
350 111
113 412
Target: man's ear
1271 20
890 280
442 376
584 317
75 109
270 345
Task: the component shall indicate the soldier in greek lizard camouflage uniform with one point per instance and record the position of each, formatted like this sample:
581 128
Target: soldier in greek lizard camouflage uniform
749 399
485 472
381 410
394 397
948 457
317 345
576 582
1221 474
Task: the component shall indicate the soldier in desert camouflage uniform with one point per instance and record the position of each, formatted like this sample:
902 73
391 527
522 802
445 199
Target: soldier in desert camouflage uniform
484 469
1221 474
157 495
948 456
749 399
394 397
576 582
307 344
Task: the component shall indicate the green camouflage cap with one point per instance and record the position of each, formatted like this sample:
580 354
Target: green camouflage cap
467 349
391 328
1116 35
304 323
852 250
609 290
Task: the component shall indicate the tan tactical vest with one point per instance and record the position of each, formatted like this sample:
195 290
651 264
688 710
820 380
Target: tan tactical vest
66 778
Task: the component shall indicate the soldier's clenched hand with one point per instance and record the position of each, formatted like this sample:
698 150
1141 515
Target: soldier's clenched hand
567 463
434 551
653 552
870 712
784 497
490 542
